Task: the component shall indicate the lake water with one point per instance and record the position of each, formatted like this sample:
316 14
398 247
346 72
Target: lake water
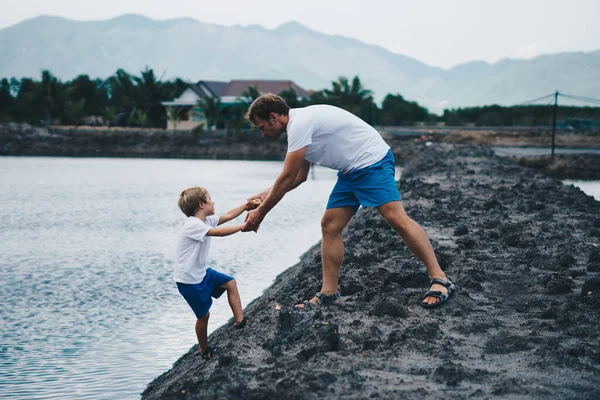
540 151
89 310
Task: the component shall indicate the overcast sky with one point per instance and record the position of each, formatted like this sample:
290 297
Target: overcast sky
438 32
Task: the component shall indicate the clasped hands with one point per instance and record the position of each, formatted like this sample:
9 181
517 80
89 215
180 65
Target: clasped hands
254 217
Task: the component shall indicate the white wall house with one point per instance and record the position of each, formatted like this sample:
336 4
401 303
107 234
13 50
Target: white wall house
185 112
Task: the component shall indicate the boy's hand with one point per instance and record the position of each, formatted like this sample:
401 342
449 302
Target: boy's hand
252 204
253 220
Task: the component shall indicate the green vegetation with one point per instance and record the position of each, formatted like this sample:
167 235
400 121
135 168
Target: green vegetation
122 99
530 115
127 100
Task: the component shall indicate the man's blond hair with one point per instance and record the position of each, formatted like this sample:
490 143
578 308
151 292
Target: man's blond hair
191 198
264 105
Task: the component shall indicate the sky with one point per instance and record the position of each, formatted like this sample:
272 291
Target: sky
440 33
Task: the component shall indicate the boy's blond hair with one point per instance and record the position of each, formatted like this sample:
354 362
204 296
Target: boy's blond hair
191 198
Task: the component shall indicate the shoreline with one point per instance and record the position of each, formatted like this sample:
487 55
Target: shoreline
524 251
25 140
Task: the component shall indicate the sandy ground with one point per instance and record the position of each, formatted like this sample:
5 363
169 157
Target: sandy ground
524 251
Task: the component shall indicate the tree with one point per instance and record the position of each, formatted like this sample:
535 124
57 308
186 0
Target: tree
212 110
291 97
122 94
6 101
251 93
141 116
75 110
149 96
174 115
349 96
50 95
397 111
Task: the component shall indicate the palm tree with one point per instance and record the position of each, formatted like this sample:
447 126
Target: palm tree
251 93
174 115
291 97
212 110
349 96
50 96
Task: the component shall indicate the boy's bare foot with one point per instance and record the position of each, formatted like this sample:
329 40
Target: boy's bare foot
209 353
241 324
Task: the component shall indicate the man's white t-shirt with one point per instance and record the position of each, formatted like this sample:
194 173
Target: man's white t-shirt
192 250
334 138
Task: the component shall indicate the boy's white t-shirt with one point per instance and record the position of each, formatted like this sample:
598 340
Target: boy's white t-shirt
334 138
192 250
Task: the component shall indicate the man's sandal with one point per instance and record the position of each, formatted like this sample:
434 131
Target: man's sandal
209 353
323 299
435 293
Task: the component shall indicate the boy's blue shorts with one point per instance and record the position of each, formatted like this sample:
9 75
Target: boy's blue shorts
371 186
198 295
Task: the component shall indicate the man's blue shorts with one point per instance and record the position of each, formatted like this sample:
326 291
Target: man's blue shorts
371 186
198 295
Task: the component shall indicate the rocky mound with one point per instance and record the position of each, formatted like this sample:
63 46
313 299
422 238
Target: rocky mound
524 252
564 166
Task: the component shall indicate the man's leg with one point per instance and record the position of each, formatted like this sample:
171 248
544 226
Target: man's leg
416 240
332 247
201 332
233 296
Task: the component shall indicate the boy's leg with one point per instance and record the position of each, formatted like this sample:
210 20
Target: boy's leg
416 240
201 332
233 296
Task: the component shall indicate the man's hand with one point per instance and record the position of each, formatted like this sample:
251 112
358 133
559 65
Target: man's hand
253 220
261 196
252 204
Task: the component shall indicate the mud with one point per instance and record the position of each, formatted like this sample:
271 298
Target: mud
524 251
561 166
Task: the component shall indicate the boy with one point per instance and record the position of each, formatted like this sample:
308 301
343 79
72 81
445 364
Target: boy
195 281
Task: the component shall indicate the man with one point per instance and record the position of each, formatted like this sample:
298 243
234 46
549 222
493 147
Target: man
334 138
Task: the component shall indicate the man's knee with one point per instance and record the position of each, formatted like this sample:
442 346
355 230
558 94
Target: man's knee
330 226
396 217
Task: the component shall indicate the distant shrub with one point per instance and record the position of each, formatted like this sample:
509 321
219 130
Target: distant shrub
197 131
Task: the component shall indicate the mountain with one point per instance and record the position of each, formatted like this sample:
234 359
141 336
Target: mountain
193 50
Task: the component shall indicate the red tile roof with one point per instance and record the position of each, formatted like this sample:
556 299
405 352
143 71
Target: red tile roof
237 87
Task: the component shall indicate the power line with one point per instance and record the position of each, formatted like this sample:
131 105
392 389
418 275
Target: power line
581 98
534 100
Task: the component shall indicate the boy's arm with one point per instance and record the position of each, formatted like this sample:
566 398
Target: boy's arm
235 212
231 214
225 230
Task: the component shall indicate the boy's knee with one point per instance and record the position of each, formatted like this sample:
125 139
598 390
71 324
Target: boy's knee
205 318
231 285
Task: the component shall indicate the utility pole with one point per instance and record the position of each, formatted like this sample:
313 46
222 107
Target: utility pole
554 123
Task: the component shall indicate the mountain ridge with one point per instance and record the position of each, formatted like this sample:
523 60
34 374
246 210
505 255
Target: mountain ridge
194 50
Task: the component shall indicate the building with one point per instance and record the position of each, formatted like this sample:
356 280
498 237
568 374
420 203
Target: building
186 111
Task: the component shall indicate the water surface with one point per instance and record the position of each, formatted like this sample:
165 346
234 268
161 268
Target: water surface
89 309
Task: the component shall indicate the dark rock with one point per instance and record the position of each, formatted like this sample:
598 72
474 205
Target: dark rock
461 230
526 250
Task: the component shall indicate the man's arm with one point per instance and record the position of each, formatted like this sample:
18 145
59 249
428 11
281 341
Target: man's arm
295 170
225 230
301 177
